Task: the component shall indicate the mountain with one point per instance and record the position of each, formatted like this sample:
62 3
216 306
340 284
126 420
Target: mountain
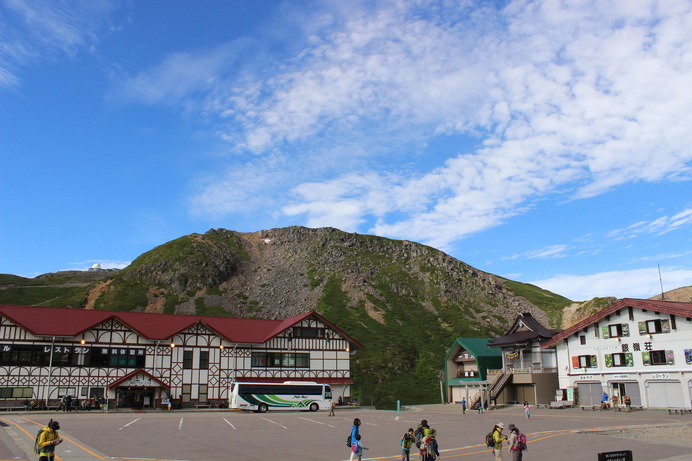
404 301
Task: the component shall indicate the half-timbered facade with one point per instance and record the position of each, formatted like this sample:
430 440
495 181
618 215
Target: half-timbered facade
141 360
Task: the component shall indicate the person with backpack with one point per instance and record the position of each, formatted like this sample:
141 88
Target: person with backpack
497 439
421 433
46 441
406 443
355 436
517 443
429 446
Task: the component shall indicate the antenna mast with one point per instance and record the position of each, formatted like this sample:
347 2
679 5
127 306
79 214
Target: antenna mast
660 279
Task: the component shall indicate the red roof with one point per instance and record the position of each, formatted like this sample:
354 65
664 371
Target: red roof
65 322
135 373
666 307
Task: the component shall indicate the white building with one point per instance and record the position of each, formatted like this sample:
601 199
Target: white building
636 347
139 359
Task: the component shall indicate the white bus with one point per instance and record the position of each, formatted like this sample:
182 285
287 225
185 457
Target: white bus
289 395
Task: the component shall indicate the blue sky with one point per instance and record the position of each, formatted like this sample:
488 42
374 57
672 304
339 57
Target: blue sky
549 142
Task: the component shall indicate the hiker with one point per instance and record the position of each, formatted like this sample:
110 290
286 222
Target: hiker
517 443
498 438
628 403
406 443
429 448
48 439
355 436
421 432
332 405
463 405
527 409
604 401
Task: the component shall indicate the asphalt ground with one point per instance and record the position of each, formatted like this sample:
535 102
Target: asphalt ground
205 435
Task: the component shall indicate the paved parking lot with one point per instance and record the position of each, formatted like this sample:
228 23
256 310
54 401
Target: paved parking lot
206 435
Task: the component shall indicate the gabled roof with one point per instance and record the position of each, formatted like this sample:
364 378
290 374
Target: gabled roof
135 373
532 330
478 347
666 307
65 322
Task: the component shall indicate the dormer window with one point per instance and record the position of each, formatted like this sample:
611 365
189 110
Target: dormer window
307 332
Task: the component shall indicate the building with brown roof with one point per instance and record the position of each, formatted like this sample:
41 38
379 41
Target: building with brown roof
529 372
137 359
637 347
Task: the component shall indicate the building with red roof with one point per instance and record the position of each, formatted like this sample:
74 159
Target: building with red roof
639 348
134 359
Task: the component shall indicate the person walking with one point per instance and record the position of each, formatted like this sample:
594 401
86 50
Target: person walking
421 433
48 440
628 403
332 405
527 409
355 435
498 438
463 405
406 443
432 451
517 443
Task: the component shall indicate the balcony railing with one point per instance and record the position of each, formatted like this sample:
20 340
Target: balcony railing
524 371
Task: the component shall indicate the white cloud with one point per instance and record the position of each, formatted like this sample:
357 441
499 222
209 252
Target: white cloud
569 99
637 283
179 75
658 226
548 252
32 30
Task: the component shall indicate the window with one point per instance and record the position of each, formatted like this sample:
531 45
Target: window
622 359
15 392
305 332
280 360
655 326
72 391
615 331
187 360
584 361
186 392
66 356
203 360
658 357
203 389
582 339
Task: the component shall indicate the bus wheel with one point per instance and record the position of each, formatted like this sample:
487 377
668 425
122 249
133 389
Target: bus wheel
314 407
262 408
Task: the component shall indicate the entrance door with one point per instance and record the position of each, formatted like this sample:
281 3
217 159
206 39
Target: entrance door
134 397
